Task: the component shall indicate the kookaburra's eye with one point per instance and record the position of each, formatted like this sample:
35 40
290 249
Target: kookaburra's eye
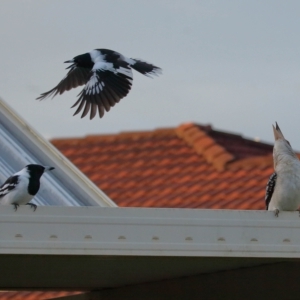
288 142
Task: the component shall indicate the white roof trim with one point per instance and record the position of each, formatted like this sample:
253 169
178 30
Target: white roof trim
149 231
66 185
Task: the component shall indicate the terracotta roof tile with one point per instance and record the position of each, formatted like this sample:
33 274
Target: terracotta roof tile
193 166
34 295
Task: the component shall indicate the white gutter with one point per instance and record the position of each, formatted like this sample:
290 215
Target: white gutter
149 232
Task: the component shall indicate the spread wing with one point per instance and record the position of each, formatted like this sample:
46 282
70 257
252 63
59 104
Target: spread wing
107 85
8 185
76 76
270 189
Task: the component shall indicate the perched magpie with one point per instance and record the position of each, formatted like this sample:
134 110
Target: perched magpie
283 188
21 187
107 77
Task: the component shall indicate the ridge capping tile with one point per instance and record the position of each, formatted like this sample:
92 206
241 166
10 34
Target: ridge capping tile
203 144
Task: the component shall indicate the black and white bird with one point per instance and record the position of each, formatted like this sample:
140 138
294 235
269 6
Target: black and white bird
107 76
283 187
21 187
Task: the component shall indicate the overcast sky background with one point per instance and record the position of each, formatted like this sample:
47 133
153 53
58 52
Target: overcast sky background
233 64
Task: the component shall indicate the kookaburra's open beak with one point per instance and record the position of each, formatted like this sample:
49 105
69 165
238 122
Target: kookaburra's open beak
277 132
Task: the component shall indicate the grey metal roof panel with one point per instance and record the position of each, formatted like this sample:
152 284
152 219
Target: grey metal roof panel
65 186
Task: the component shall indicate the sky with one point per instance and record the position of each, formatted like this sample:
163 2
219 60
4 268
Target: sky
229 63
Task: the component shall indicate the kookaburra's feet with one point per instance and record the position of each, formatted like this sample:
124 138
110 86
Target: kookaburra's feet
32 206
16 205
276 212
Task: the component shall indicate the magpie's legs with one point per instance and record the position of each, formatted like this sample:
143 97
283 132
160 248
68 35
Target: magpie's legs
32 206
16 205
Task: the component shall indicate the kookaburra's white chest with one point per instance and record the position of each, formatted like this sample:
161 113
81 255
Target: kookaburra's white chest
286 194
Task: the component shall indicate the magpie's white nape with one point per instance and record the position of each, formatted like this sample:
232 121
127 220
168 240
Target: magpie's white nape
22 186
107 76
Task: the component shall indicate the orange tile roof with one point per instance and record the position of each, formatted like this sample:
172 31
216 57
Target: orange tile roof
191 166
34 295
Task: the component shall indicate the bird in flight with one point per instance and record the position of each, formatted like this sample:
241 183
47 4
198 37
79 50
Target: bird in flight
22 186
107 76
283 187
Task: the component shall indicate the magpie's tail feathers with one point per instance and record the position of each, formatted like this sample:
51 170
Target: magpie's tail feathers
145 68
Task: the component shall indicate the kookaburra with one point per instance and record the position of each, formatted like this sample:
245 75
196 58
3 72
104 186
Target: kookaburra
283 188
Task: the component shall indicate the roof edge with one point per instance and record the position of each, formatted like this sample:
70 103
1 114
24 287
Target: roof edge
149 232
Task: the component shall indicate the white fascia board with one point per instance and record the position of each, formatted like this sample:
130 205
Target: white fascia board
66 185
149 232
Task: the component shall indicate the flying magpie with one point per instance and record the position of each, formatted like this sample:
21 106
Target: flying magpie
107 76
22 186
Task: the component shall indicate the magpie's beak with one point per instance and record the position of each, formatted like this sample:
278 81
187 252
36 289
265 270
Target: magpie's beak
48 168
69 62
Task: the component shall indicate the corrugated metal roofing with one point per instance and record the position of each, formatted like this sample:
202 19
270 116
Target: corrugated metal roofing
21 145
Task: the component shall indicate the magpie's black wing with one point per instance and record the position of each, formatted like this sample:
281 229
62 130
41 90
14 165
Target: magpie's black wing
107 85
270 189
76 76
8 185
